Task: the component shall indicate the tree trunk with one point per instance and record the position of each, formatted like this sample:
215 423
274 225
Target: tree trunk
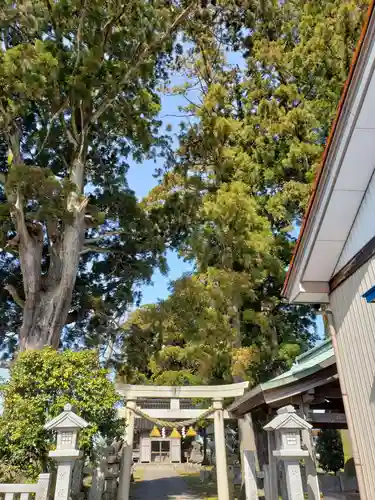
42 325
245 424
48 298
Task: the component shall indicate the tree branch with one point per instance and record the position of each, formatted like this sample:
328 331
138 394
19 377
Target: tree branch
88 249
19 218
53 21
69 135
15 143
77 173
104 235
108 26
178 116
97 250
49 127
15 296
79 36
5 115
142 56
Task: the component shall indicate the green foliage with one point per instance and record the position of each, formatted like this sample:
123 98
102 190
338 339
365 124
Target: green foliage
41 383
194 332
78 100
79 92
177 377
190 332
46 195
240 180
329 448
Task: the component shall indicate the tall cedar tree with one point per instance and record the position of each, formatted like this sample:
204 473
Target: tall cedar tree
78 96
240 181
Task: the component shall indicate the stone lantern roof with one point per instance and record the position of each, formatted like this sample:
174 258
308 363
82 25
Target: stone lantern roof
66 420
287 418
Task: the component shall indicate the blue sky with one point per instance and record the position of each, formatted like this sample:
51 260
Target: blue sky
141 179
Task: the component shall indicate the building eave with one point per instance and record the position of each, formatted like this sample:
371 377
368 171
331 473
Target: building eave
312 368
302 246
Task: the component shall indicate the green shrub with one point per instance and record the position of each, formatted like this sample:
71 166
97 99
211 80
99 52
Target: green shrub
41 383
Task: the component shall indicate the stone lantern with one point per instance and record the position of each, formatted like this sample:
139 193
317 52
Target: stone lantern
67 426
287 427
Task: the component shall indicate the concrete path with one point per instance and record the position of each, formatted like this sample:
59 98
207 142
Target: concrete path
161 482
341 496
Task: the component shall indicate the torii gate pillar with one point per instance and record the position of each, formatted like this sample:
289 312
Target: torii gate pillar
220 451
127 454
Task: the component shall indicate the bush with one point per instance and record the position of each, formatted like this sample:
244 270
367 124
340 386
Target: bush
329 448
41 383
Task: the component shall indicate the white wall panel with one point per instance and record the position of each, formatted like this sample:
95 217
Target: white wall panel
355 327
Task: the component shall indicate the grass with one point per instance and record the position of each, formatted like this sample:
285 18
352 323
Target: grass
138 475
207 490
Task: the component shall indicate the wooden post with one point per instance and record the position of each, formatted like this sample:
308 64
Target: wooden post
267 488
272 467
313 490
97 484
249 470
77 477
281 474
247 450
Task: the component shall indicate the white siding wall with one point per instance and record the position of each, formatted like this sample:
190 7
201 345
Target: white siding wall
363 229
355 327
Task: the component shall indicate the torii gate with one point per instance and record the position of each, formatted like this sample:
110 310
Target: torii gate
216 393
